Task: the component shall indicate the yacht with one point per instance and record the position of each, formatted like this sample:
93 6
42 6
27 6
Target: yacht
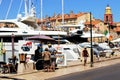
24 26
19 29
9 27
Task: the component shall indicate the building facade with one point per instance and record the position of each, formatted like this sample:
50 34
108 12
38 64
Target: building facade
69 19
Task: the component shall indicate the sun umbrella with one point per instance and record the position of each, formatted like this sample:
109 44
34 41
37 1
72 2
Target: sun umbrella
40 37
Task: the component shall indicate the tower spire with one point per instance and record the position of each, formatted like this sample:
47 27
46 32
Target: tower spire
108 17
108 10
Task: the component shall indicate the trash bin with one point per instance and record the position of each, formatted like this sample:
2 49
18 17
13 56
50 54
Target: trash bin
39 64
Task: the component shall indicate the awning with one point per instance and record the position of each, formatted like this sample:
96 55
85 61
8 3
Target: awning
87 35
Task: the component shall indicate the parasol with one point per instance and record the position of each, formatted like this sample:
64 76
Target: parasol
40 37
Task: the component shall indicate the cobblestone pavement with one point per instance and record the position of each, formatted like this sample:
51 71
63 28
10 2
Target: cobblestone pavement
73 66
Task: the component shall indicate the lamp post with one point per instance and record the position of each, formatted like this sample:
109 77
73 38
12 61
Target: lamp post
91 50
12 38
108 26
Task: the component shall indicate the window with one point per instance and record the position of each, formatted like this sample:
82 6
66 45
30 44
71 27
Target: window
8 25
107 18
66 48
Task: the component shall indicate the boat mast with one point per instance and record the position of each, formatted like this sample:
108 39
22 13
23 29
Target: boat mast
30 4
26 7
20 6
9 9
41 10
62 12
0 2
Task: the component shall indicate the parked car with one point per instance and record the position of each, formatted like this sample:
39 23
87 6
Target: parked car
63 41
97 50
107 49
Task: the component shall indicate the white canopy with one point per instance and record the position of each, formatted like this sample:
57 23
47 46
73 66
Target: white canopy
116 40
88 35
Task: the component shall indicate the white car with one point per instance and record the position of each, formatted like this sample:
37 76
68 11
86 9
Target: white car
107 49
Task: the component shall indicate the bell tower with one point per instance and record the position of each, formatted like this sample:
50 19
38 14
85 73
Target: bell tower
108 17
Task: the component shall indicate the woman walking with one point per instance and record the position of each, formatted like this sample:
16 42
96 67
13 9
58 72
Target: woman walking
85 55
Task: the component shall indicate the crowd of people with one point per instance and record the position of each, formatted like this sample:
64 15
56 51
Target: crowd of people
48 56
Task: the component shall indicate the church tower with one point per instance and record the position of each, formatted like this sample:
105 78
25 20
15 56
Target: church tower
108 17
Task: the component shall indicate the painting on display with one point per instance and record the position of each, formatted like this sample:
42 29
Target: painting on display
61 60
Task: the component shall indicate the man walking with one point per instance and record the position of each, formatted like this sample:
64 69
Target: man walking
53 56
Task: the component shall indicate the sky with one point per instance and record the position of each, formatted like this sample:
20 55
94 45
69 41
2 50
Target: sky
49 7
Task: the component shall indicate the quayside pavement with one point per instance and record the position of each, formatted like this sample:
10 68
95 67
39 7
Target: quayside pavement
72 66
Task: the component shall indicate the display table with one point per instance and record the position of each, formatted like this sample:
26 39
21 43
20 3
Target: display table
25 67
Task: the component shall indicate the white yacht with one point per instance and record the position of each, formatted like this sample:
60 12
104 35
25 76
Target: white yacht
9 27
24 26
20 28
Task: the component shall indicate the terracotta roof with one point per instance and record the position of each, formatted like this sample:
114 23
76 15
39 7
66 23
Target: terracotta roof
117 26
94 22
53 18
118 29
80 14
66 16
39 21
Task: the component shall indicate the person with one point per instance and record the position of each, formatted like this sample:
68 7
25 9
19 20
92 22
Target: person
85 55
41 47
38 53
53 56
15 59
46 57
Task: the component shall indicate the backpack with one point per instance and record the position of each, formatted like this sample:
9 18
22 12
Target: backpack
53 55
52 51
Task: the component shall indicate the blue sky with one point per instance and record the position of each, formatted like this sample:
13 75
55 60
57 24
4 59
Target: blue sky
96 7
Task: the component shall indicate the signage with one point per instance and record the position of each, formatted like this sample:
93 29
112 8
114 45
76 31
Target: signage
61 60
26 47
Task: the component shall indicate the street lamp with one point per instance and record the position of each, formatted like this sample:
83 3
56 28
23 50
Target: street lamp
12 38
108 26
91 51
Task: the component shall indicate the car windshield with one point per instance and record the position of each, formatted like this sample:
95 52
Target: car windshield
98 47
84 45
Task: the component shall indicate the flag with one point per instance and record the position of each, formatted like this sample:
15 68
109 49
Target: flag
110 37
107 34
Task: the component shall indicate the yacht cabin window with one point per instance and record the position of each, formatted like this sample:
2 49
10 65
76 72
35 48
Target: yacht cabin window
8 25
